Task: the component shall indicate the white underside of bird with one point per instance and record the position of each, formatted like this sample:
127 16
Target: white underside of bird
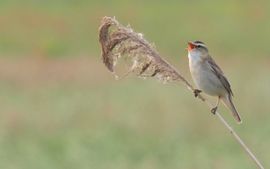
209 78
204 78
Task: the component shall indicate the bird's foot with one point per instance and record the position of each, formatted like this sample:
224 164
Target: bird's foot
213 110
197 92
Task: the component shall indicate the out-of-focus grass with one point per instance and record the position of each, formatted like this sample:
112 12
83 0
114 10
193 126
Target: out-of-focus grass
69 28
69 113
49 122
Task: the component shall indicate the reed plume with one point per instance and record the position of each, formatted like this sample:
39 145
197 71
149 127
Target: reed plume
142 59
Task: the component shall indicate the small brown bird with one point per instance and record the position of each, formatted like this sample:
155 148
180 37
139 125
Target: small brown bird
208 77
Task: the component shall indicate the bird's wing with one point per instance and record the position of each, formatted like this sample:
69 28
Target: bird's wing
220 75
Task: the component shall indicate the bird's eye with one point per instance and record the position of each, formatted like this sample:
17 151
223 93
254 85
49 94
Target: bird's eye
198 46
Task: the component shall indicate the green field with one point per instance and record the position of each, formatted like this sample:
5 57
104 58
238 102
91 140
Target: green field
61 108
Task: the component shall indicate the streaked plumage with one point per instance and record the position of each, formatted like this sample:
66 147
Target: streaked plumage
208 76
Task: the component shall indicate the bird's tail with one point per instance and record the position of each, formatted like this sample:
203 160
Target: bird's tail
227 100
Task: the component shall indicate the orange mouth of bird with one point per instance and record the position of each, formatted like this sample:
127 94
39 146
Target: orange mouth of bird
190 46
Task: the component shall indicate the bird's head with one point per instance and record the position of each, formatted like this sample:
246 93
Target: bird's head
197 46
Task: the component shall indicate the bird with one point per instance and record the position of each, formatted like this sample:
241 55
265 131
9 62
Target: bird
209 78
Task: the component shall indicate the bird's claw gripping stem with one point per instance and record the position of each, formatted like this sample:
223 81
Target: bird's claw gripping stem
197 92
213 110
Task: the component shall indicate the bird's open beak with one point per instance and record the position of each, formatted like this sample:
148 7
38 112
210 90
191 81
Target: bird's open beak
190 46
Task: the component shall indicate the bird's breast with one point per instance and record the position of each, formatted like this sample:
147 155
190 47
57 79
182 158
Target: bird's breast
204 78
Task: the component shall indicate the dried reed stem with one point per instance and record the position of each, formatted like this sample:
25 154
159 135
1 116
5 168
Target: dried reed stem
141 58
238 138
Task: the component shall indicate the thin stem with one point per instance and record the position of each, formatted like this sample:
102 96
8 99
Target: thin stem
237 137
226 124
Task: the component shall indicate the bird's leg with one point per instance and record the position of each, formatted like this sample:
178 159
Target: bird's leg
213 110
196 92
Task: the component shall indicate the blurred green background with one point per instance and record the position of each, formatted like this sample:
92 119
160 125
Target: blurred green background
61 108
